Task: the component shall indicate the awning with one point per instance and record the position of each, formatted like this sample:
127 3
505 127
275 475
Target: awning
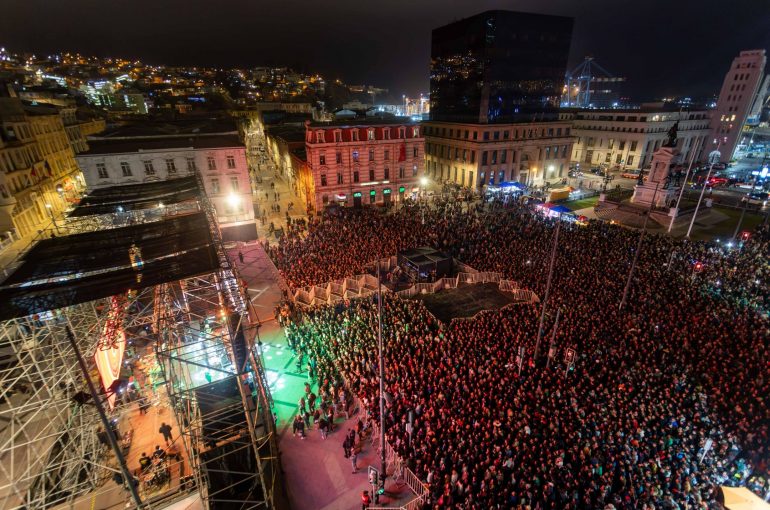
560 209
741 498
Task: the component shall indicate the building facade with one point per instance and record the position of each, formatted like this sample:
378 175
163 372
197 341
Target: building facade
739 91
219 158
372 162
497 66
476 155
627 139
39 177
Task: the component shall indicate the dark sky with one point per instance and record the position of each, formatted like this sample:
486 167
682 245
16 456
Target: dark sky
663 47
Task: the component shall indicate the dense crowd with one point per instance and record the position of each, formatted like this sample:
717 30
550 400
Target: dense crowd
684 361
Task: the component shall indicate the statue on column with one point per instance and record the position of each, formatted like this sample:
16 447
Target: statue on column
672 136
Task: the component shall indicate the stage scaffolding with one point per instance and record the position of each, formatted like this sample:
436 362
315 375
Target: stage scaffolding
53 449
52 446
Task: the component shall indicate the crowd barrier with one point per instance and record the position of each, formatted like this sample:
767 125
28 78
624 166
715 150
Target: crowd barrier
363 285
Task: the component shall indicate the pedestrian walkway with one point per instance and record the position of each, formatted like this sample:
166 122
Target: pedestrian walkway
317 475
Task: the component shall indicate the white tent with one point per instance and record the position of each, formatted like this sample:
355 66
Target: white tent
741 498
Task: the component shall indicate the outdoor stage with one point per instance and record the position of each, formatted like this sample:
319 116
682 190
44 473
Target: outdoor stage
465 301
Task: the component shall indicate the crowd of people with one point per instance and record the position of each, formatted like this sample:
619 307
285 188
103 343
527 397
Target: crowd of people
667 398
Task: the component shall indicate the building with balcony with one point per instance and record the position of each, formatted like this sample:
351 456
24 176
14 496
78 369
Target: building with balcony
474 155
39 177
366 161
219 159
627 139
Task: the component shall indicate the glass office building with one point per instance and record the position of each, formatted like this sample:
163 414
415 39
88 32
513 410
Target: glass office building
498 66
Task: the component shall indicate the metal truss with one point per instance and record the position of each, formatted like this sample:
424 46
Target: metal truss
215 383
50 447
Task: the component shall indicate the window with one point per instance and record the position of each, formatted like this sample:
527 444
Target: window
622 145
402 132
387 154
486 135
618 158
101 169
191 165
230 161
494 157
319 136
338 158
170 166
215 186
149 169
414 170
386 175
630 160
234 183
323 179
370 134
354 134
355 175
322 159
473 157
386 133
415 132
503 155
633 146
126 168
497 135
355 156
415 152
339 178
475 135
485 158
371 174
371 154
211 163
401 170
608 158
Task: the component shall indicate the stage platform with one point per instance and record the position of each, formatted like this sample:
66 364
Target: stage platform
465 301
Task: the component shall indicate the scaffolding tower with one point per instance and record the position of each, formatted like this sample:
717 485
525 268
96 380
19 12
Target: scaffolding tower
589 85
57 442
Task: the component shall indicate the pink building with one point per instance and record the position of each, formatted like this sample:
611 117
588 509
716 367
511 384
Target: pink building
367 161
735 100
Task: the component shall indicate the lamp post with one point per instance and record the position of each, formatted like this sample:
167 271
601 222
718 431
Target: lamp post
703 190
49 207
548 286
423 184
638 247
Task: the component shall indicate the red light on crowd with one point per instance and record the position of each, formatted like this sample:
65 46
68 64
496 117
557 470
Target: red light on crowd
698 267
745 235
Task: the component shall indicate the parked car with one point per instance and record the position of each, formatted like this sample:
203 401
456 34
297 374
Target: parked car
597 170
756 198
631 174
717 181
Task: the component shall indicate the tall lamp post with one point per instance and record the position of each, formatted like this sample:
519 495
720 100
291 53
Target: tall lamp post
638 248
49 207
548 286
423 185
712 161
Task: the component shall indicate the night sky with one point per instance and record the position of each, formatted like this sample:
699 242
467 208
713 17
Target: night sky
663 47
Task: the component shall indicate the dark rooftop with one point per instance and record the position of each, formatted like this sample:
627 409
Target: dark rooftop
124 145
287 133
371 121
148 128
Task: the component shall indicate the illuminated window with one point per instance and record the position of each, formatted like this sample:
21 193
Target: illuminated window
415 132
323 179
215 186
234 183
355 156
322 159
370 134
211 162
170 166
230 161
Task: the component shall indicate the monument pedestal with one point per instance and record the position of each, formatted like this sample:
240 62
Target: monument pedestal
653 190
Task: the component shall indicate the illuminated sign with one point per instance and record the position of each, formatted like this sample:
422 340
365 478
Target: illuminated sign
373 192
357 194
401 189
386 191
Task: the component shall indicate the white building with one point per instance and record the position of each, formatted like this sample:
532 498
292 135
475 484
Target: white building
220 158
627 139
736 98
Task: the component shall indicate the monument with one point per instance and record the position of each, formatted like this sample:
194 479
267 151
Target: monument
657 189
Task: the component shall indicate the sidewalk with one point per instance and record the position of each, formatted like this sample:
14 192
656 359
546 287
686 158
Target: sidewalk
317 475
265 198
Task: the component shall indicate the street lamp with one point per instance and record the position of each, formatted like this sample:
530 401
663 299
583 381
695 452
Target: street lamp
53 219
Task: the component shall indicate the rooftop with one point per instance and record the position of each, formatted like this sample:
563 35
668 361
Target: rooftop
392 121
140 144
149 128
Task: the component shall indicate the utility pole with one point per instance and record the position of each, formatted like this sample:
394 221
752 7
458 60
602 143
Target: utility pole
383 473
702 191
638 248
743 209
547 286
553 337
684 185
